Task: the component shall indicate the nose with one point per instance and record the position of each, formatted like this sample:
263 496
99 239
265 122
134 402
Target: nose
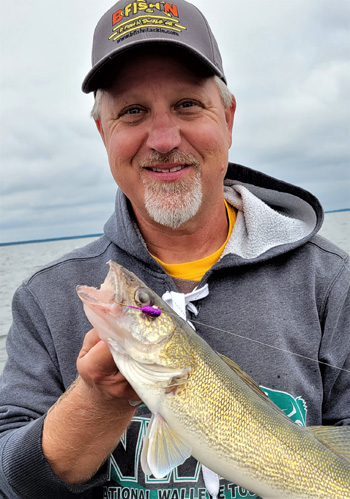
164 134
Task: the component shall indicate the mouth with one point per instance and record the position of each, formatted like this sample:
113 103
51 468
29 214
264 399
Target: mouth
169 172
166 169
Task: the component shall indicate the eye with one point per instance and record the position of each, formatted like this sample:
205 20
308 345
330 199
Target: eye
133 110
132 113
189 104
144 298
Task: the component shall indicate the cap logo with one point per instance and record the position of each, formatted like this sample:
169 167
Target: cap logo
145 16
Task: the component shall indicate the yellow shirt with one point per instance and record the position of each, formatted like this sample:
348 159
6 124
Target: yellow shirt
194 271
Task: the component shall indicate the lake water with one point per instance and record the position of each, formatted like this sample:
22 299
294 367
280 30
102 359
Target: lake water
18 262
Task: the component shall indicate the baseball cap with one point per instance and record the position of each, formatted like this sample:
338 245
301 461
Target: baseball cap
132 25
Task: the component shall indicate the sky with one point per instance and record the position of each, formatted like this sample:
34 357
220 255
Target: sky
286 61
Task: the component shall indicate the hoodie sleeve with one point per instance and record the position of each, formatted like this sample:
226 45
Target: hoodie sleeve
335 349
30 385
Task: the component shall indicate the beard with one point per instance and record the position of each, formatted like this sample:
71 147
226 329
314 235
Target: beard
173 203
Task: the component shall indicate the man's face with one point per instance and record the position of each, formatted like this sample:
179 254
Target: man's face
167 137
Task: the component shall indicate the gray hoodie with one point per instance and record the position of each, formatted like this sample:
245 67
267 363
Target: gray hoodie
277 283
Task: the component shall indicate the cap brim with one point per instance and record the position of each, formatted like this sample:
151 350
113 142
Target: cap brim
100 76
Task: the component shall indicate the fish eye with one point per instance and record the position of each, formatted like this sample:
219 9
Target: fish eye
144 297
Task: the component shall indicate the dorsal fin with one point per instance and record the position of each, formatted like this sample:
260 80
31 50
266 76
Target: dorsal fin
252 384
336 438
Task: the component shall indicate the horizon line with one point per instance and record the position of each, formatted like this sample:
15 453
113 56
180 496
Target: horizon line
50 239
66 238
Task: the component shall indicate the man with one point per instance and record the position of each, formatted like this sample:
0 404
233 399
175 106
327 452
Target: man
239 244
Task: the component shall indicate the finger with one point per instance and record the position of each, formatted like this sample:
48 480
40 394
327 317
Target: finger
97 361
90 340
96 366
97 353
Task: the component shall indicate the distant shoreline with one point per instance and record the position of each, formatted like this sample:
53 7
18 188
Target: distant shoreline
337 211
67 238
50 239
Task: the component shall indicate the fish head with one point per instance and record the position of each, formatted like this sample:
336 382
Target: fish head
121 312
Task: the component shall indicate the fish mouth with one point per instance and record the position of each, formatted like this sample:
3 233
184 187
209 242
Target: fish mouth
116 280
110 294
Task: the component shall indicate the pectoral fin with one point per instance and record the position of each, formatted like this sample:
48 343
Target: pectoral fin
336 438
163 449
140 373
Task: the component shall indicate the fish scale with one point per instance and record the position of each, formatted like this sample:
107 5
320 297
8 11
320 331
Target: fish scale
233 413
206 406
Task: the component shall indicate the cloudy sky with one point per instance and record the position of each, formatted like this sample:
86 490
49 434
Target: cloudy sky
287 62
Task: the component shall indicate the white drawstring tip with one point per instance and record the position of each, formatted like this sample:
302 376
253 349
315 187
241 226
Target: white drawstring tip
211 481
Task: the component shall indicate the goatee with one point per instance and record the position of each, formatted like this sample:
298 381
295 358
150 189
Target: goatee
172 203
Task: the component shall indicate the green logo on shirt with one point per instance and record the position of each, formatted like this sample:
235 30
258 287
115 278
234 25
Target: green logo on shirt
295 408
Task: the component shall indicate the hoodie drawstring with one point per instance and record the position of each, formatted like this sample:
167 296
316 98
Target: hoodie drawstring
181 301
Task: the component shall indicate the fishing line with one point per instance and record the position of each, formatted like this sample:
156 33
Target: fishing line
271 346
155 312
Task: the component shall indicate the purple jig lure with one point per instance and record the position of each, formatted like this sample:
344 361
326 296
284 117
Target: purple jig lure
151 311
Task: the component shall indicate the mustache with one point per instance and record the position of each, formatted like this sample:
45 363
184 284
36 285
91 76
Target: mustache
156 158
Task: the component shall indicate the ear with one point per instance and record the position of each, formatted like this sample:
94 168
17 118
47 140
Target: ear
229 116
230 113
99 127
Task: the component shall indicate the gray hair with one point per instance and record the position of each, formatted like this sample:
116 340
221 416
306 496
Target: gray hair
224 91
95 111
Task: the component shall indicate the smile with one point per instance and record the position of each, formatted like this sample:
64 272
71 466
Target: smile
167 170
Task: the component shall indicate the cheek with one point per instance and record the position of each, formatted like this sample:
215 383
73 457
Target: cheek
118 148
122 148
213 145
211 137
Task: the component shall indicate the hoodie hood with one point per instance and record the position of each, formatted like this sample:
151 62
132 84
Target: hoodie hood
273 217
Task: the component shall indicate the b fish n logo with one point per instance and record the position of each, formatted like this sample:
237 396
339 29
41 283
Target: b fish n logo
147 16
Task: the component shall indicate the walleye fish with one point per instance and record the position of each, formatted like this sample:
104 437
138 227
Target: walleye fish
207 407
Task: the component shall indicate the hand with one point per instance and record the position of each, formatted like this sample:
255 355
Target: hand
98 370
92 414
